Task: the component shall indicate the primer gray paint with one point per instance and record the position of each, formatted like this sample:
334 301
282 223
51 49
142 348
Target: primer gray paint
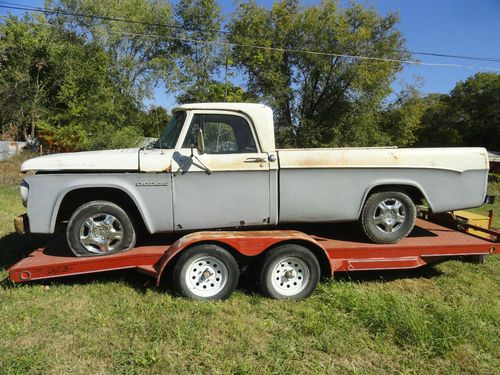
222 199
195 200
338 194
48 190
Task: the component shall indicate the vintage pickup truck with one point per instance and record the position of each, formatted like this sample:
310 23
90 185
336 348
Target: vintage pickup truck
216 166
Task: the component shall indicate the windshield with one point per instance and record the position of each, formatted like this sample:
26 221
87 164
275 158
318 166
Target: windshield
169 137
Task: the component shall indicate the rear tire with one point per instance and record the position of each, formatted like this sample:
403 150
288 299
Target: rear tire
100 228
388 216
289 272
206 272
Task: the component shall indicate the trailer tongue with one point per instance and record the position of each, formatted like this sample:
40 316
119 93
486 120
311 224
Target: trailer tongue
428 243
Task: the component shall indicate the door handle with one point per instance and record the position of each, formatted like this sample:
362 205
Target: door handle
255 160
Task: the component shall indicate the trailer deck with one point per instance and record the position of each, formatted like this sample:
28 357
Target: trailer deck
428 242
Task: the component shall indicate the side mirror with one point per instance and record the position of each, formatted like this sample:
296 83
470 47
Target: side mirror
200 142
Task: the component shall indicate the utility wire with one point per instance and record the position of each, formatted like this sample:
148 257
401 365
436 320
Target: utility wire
279 49
178 27
105 18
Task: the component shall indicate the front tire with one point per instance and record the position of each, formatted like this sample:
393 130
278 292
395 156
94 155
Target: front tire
100 228
206 272
289 272
388 216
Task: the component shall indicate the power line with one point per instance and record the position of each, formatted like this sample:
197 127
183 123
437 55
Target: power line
105 18
477 58
279 49
178 27
125 20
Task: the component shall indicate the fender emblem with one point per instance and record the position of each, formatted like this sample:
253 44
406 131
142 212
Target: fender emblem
151 184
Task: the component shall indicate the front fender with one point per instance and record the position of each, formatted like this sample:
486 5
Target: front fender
150 192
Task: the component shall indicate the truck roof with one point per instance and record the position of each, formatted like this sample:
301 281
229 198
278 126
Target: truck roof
261 116
244 107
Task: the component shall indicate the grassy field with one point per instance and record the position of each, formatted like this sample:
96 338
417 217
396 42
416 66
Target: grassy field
440 320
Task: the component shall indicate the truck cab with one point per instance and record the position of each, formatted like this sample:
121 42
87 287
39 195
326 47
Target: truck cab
223 165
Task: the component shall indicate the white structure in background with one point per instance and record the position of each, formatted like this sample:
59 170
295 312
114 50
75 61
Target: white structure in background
10 148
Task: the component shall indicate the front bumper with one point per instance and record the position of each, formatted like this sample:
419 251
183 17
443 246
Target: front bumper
21 224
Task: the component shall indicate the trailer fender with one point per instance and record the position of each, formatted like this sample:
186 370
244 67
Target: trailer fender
247 243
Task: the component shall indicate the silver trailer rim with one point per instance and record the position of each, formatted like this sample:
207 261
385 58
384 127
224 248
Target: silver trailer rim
101 233
389 215
206 276
290 276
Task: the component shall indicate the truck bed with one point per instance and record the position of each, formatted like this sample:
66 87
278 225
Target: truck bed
327 185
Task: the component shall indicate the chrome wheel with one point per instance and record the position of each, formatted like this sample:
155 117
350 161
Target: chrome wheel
389 215
101 233
206 276
290 276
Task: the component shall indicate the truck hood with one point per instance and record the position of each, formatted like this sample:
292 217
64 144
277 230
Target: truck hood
109 160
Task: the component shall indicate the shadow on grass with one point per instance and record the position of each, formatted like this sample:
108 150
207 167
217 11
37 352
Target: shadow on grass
129 277
14 247
424 272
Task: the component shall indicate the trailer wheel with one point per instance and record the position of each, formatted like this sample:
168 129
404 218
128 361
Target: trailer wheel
289 272
388 216
100 228
206 272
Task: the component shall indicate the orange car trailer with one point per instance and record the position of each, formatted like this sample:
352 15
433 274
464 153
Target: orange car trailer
338 251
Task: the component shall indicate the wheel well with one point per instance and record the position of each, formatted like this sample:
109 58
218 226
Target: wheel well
413 192
75 198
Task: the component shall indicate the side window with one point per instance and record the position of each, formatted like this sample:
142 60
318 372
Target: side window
223 134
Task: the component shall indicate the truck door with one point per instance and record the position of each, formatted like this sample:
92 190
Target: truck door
228 185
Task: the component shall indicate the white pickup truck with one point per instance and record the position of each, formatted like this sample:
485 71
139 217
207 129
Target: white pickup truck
216 166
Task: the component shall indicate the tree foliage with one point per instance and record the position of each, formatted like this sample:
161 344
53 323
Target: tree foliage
80 81
138 60
58 84
320 100
468 116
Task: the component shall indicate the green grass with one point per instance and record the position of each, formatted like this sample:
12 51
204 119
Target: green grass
442 320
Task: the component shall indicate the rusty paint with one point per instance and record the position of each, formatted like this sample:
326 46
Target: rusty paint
248 243
20 223
448 159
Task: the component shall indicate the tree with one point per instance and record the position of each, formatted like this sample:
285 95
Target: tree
23 83
319 100
199 58
401 119
58 86
142 52
475 110
153 121
468 116
216 92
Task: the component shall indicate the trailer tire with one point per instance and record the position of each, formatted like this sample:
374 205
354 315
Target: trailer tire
100 228
289 272
388 216
206 272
